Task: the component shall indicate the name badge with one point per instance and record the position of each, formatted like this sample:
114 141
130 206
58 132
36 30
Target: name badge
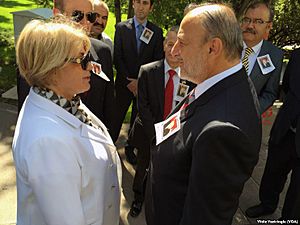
181 92
97 70
146 35
167 128
265 63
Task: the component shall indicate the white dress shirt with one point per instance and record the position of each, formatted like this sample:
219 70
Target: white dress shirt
205 85
253 56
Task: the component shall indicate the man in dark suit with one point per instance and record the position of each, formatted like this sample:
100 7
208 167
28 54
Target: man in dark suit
284 151
152 88
198 173
130 52
256 25
100 98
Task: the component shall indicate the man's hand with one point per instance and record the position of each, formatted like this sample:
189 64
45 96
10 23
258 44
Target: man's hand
132 86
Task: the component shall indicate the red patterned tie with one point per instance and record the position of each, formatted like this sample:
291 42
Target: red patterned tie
169 94
189 100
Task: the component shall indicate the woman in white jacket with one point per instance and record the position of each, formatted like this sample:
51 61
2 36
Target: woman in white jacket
68 170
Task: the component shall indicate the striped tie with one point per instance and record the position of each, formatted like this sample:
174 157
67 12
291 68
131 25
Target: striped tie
245 59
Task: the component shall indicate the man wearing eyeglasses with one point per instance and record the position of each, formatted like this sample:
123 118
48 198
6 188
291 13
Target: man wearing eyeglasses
98 27
256 25
262 61
100 98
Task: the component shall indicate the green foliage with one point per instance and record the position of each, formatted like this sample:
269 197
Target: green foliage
286 26
7 55
45 3
168 13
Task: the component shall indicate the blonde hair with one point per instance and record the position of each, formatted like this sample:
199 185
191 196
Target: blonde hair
45 46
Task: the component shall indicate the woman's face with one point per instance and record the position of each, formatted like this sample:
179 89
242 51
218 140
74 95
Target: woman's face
72 79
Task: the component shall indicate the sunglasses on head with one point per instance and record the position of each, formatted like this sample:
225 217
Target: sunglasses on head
83 61
78 15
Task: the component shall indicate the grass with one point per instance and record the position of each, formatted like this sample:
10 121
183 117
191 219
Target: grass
7 51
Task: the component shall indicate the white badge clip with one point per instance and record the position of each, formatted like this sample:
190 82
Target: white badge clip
97 70
167 127
146 35
181 92
265 63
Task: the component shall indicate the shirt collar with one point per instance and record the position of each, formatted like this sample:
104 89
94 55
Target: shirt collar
136 23
72 106
167 68
205 85
255 48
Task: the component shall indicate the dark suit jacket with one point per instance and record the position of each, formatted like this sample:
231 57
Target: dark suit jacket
100 98
267 85
126 58
198 174
289 113
150 101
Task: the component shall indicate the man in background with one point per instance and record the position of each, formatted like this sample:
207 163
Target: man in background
130 52
256 24
98 27
283 151
159 91
100 98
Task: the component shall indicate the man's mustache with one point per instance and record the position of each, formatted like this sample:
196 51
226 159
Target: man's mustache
98 24
249 30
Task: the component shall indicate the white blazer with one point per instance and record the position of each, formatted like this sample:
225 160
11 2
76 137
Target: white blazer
68 173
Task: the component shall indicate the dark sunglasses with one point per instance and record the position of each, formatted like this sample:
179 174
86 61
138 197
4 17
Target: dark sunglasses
84 61
78 15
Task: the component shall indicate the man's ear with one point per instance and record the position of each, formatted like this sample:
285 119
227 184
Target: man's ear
151 7
267 33
270 26
56 11
216 46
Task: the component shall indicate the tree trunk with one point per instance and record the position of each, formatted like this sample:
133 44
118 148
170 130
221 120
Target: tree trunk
130 10
118 11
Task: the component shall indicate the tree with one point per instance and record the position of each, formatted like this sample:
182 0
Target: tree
166 13
286 26
118 10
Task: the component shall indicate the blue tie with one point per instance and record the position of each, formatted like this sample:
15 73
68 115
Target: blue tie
139 32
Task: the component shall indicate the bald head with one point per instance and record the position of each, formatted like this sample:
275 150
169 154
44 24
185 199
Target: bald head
209 42
68 7
219 21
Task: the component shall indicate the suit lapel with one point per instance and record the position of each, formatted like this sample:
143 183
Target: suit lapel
256 72
132 35
143 44
210 93
93 53
160 87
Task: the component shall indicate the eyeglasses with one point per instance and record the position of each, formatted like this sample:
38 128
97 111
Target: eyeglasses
84 61
247 20
102 17
78 15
